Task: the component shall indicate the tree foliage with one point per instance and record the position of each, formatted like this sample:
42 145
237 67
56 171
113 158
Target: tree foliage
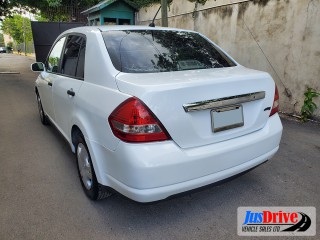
1 40
10 7
10 44
199 1
145 3
6 6
18 27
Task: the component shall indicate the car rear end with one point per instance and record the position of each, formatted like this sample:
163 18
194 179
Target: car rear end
194 117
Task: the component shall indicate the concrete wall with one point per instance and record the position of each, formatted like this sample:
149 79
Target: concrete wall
281 37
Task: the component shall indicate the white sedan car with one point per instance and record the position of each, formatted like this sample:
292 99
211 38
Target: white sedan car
153 112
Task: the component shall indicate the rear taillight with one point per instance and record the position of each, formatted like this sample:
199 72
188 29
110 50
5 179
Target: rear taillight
275 106
132 121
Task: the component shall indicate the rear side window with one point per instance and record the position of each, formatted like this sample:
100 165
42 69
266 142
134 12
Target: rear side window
73 57
143 51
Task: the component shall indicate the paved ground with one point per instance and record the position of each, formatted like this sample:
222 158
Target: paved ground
41 197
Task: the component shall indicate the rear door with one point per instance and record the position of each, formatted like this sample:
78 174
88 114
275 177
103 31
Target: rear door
67 86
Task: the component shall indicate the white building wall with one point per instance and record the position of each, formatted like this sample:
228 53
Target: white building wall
7 39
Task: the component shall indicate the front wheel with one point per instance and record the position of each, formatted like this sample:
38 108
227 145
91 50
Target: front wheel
87 176
43 117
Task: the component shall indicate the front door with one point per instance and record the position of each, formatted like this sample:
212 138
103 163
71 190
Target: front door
49 76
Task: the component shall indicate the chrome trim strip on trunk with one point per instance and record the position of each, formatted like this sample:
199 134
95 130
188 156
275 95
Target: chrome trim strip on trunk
220 102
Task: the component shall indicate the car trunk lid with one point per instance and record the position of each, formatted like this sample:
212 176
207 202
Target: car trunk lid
172 96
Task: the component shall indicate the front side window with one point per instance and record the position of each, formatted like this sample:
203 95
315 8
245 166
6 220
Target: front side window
71 56
54 58
81 61
143 51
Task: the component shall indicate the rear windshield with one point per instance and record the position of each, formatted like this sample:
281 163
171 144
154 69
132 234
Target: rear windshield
145 51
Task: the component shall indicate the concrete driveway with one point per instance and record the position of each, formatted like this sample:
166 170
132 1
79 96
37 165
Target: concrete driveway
41 196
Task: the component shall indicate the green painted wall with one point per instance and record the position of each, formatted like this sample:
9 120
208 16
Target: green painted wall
117 10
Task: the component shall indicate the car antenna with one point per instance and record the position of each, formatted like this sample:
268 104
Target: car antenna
152 23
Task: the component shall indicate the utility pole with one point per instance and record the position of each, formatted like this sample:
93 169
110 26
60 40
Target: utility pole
164 13
24 35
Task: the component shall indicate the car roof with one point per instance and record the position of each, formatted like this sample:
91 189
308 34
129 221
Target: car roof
121 28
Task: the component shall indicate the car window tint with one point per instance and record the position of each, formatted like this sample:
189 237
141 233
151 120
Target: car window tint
139 51
70 55
55 57
80 66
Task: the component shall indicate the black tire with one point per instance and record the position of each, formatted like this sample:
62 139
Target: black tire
92 188
43 118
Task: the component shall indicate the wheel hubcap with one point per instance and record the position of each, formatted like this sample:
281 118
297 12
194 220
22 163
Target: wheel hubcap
84 166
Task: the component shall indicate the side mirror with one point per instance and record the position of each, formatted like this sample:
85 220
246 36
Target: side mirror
37 67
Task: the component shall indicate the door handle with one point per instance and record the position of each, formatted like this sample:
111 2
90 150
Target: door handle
50 84
71 92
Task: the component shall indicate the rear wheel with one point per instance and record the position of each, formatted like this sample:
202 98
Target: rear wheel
43 117
88 179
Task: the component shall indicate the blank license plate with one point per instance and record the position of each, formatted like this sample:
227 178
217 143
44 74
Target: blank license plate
226 118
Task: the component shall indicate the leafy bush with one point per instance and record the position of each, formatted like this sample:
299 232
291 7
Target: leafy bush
309 106
10 44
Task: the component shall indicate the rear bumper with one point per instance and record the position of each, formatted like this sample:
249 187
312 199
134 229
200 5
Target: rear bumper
155 171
